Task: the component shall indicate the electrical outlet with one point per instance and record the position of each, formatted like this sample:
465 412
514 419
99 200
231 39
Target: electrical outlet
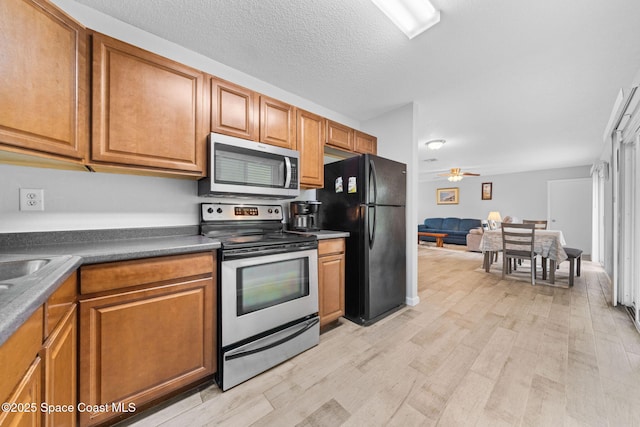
31 199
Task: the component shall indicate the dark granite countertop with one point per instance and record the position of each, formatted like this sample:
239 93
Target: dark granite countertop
66 251
324 234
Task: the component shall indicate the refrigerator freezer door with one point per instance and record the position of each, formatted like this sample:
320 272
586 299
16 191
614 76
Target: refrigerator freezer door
386 181
340 209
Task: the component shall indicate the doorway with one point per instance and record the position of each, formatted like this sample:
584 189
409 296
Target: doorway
570 210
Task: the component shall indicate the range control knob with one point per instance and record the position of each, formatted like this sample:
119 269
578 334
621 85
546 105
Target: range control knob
270 210
210 210
277 210
219 210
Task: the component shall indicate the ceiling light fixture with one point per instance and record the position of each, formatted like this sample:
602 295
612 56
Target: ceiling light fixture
411 16
435 144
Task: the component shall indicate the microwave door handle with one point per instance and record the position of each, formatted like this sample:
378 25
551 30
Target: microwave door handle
287 179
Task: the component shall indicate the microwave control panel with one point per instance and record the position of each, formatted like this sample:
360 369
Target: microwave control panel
294 174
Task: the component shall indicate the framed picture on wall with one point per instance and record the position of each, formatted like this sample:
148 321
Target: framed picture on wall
487 190
447 196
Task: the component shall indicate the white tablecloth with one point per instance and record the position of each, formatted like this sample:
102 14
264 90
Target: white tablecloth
548 243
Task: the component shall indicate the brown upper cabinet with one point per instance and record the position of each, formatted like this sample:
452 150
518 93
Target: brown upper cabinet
241 112
339 136
365 143
44 83
277 123
234 110
310 142
147 110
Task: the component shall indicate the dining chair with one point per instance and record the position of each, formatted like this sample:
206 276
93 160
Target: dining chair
518 244
541 224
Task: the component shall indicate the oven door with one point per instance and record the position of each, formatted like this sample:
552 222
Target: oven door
261 293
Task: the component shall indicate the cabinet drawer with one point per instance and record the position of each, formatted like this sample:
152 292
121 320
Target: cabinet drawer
330 246
124 274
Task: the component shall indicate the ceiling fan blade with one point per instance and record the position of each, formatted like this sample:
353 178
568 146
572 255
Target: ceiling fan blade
470 174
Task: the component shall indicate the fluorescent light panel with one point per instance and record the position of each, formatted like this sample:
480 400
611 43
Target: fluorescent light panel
411 16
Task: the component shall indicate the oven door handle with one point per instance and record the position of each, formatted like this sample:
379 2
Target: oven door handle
281 341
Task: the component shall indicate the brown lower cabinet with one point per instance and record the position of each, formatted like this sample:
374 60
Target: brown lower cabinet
331 263
36 375
21 374
146 340
61 372
26 399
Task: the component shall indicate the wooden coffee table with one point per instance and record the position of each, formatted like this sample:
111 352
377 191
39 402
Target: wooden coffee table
438 236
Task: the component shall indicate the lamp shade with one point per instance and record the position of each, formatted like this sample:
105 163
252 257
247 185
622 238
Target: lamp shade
494 216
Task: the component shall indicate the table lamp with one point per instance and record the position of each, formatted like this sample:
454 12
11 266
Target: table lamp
494 217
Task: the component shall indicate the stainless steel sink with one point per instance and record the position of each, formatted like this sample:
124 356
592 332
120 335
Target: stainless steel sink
15 269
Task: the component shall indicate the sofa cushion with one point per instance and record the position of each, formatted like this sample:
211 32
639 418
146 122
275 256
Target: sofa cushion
451 224
433 223
469 223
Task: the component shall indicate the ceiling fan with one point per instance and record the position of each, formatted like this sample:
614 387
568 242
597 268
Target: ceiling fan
455 174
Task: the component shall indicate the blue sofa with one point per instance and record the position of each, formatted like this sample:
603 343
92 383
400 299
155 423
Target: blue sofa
456 228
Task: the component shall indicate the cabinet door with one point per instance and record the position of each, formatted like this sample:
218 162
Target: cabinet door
147 110
277 123
60 371
366 143
331 288
141 345
18 352
234 110
310 143
339 136
29 395
331 264
44 81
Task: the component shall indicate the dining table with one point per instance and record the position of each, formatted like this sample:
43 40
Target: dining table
547 243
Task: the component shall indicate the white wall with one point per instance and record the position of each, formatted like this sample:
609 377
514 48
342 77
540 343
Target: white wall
522 195
396 141
76 200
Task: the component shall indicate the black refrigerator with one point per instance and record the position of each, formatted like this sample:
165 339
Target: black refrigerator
365 196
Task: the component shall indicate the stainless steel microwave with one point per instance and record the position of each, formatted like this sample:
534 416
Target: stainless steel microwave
243 168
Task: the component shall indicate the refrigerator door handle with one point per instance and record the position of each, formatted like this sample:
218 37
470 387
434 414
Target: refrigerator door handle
373 182
372 226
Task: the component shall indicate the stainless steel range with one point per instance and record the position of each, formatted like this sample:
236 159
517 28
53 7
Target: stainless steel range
267 287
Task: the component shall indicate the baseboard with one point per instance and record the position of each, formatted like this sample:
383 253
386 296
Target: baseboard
412 301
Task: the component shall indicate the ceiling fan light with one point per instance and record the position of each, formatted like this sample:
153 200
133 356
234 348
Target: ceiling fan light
411 16
435 144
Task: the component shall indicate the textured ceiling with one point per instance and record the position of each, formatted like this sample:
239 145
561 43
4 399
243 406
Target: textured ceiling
511 85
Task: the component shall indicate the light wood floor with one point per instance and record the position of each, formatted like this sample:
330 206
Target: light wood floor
476 351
